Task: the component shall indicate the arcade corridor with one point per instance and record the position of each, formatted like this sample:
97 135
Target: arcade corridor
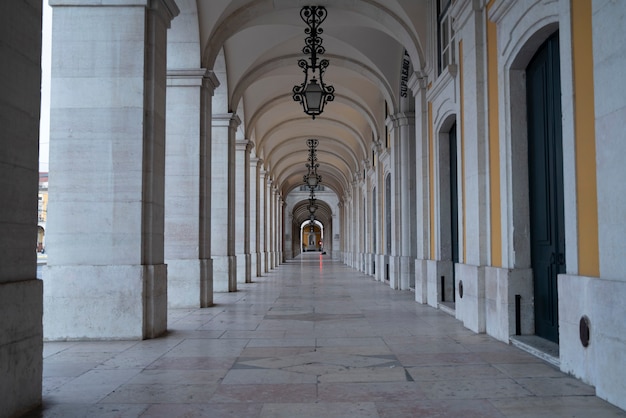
313 338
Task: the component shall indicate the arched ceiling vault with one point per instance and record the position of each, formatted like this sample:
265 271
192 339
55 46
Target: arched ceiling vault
253 47
301 213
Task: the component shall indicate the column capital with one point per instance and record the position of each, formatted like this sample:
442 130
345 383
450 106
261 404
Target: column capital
210 81
231 120
254 162
418 82
186 77
377 147
243 145
402 119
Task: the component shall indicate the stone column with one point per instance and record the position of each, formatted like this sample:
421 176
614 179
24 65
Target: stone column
262 217
187 189
419 86
255 261
279 229
405 251
106 277
342 231
355 222
223 207
272 223
269 222
278 209
242 210
349 225
21 294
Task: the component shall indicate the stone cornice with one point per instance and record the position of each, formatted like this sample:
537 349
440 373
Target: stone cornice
499 9
462 10
447 76
169 9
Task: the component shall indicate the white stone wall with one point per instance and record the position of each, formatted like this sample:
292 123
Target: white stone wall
609 59
601 299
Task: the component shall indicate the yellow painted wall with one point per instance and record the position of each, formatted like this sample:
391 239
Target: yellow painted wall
494 144
585 139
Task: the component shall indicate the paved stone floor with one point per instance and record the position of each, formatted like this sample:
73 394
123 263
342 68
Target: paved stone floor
313 338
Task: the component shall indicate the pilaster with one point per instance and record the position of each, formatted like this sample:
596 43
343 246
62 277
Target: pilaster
255 261
242 210
405 239
223 129
262 228
189 281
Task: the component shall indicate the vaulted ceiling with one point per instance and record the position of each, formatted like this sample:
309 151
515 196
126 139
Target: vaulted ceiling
253 47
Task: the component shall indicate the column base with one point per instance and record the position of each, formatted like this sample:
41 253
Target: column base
189 283
435 270
421 281
224 273
243 268
394 272
123 302
266 262
401 272
470 308
21 345
501 286
254 266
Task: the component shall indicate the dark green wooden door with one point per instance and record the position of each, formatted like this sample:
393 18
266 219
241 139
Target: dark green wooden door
454 205
545 158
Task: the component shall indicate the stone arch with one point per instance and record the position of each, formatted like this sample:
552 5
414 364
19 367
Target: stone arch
532 26
446 158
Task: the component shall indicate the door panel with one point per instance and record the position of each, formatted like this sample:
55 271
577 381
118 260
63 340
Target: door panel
454 205
545 158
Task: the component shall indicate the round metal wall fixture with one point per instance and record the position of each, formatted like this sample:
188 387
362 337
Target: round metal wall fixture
461 289
584 330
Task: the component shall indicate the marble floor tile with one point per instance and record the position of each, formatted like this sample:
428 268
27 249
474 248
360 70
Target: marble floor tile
272 393
92 386
473 389
161 393
222 410
266 377
479 408
556 386
308 342
464 371
369 392
557 407
193 363
213 348
88 410
318 410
